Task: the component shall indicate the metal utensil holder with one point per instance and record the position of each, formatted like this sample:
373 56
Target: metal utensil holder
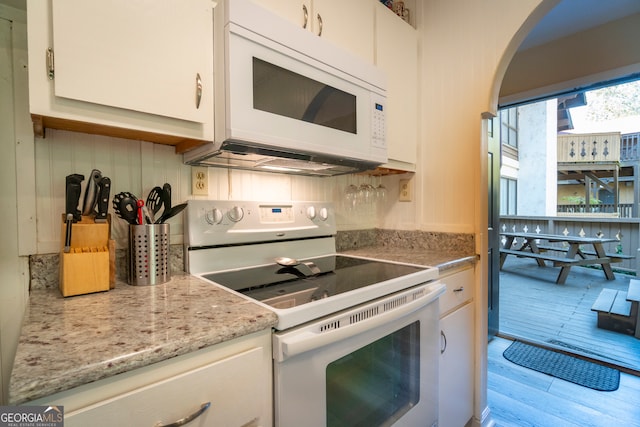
149 254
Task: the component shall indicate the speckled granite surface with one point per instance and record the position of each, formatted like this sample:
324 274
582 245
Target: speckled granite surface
66 342
443 250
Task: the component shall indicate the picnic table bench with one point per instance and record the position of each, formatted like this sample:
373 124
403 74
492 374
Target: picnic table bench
618 310
574 253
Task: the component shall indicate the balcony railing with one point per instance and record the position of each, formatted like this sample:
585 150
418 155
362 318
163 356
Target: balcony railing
625 230
589 148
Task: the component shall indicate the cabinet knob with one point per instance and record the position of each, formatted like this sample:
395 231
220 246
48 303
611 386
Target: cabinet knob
198 90
188 419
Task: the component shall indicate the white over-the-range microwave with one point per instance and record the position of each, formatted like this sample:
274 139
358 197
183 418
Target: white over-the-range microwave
286 100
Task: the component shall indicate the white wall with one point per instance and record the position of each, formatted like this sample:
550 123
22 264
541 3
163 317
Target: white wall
138 166
537 154
14 137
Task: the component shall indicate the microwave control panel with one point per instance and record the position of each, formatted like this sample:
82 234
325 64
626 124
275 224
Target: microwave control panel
378 122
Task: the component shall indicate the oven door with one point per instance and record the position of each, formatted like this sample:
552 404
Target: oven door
374 365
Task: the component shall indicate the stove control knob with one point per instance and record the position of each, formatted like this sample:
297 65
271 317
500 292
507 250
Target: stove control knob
311 212
214 216
324 214
235 214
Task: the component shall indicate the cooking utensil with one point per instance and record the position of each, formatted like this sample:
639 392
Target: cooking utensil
175 210
126 205
91 192
166 196
103 199
155 200
140 204
292 262
72 195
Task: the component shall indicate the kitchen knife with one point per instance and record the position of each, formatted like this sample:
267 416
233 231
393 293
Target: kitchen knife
91 192
103 199
67 239
72 195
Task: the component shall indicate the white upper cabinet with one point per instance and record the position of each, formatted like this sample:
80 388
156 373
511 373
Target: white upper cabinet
348 24
396 44
124 64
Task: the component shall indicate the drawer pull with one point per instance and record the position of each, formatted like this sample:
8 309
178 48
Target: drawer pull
305 14
319 25
188 419
443 342
460 289
198 90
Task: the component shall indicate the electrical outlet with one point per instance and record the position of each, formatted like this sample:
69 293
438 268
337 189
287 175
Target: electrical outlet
200 180
405 190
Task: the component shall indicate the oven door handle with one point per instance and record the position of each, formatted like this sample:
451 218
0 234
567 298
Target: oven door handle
291 344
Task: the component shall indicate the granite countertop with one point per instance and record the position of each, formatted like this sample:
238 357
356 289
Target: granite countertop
67 342
445 261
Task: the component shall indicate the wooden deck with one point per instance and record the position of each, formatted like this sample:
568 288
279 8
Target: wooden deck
535 308
521 397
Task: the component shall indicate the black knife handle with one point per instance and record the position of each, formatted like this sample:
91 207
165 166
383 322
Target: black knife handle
103 199
91 192
72 195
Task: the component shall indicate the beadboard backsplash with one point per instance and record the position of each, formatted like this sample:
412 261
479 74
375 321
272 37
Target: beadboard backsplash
138 166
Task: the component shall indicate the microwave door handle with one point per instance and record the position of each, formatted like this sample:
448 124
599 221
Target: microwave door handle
292 344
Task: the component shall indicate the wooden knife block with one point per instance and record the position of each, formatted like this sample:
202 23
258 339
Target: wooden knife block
89 266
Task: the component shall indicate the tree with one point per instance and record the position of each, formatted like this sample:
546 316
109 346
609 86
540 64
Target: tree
613 102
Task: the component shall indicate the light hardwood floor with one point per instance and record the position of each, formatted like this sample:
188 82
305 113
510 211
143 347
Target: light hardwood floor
521 397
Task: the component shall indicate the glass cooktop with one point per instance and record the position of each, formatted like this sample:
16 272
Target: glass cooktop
285 287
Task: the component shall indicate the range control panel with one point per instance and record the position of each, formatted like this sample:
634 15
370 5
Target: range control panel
227 222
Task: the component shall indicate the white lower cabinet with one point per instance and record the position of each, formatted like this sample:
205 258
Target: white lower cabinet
235 381
456 381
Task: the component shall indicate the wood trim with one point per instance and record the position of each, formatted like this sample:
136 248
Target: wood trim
181 144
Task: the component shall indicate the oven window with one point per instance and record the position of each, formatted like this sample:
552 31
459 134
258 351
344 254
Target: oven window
283 92
376 384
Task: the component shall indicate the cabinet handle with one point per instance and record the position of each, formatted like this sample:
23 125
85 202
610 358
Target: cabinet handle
305 14
319 25
188 419
198 90
443 342
50 64
460 289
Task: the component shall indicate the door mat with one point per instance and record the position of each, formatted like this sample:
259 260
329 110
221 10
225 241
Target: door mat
565 367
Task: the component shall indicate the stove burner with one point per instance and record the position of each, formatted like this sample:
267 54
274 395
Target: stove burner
286 287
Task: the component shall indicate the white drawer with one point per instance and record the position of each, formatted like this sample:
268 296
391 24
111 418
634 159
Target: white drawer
459 290
233 386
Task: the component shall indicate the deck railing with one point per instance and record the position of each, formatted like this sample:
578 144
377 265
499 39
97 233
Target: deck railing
625 210
625 230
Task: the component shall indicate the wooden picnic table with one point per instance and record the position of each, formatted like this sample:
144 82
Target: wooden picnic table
574 253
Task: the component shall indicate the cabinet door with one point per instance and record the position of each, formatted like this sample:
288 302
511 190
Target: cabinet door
234 386
134 55
292 10
349 24
456 368
397 55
